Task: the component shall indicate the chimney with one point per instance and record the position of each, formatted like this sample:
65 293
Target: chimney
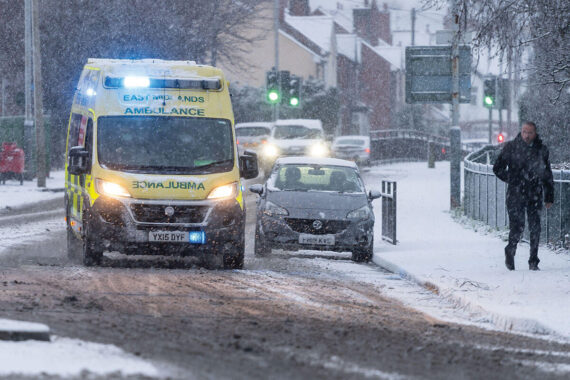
363 25
299 7
383 22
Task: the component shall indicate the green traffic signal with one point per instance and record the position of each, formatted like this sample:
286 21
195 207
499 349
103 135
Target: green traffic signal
273 96
294 102
489 100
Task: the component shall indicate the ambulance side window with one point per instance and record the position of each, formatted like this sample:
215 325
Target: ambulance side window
89 142
74 127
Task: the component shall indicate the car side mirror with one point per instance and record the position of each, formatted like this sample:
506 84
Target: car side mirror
248 167
78 160
257 188
374 194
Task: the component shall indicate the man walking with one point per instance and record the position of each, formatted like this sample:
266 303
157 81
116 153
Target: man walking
524 165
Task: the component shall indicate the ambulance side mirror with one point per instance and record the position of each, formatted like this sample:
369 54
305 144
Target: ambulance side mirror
248 168
78 160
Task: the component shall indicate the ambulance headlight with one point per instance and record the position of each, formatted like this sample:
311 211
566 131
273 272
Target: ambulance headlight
318 150
110 188
224 191
132 82
270 150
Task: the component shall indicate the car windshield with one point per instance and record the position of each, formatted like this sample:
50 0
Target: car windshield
252 131
350 142
155 144
296 132
301 177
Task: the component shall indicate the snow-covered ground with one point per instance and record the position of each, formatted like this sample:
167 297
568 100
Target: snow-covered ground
466 266
14 195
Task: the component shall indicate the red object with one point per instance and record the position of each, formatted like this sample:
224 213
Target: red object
367 150
443 150
11 158
501 138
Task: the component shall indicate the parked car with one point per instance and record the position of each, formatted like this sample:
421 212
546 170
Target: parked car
294 137
251 136
355 148
315 203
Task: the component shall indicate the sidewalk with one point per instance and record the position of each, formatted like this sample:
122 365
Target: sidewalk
467 266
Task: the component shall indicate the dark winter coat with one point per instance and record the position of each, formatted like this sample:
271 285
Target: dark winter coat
526 169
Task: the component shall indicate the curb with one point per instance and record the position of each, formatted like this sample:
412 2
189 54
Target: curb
501 321
19 330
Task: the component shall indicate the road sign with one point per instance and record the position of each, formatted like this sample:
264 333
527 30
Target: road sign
428 74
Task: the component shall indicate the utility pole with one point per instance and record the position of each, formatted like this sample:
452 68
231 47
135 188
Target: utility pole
276 26
413 26
455 132
509 87
28 119
38 103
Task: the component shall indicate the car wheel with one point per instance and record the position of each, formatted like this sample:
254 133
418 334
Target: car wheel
362 255
260 247
234 258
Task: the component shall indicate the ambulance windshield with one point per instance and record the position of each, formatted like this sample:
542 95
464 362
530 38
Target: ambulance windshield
158 144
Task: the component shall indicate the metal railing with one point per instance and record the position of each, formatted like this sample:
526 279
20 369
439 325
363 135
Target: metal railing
485 197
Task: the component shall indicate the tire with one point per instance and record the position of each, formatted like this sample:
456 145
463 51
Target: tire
234 258
92 253
260 247
362 255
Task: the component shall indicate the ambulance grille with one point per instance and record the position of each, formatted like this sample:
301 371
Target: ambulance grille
152 213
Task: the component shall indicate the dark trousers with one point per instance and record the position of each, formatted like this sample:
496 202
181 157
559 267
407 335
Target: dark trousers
517 209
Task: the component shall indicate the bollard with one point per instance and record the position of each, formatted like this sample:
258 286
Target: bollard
431 155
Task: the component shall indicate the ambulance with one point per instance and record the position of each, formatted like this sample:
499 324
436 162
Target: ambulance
152 165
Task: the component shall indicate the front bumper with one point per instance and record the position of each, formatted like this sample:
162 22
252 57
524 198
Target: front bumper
125 224
284 233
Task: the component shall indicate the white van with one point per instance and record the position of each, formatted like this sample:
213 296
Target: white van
294 137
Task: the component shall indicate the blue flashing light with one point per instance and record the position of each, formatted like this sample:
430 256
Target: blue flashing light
197 237
131 82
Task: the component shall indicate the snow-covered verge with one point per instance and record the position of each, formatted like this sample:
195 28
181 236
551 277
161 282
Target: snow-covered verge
14 195
465 266
66 357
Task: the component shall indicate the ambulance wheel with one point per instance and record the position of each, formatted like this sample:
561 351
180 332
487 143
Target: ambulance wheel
92 254
234 258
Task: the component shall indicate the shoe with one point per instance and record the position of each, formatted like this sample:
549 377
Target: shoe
509 261
533 266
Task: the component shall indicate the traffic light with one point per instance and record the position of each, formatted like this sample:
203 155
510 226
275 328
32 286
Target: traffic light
500 138
272 87
489 95
294 91
284 77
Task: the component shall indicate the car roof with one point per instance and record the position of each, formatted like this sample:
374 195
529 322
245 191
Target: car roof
309 123
324 161
358 137
255 124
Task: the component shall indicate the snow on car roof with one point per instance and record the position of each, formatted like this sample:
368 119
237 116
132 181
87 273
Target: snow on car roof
324 161
255 124
309 123
356 137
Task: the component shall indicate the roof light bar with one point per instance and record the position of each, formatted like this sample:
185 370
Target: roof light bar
130 82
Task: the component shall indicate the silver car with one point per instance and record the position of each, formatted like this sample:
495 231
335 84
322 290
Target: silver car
315 203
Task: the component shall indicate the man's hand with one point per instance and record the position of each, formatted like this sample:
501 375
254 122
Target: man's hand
548 205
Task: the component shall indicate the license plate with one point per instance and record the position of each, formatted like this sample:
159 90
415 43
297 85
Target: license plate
169 236
316 239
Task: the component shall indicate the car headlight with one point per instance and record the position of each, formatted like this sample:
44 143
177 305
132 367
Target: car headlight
318 150
362 213
224 191
270 150
272 209
110 188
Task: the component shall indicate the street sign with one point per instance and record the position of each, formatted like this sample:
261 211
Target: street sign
428 74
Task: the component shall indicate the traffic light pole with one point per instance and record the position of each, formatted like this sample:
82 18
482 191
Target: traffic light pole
276 25
490 125
455 131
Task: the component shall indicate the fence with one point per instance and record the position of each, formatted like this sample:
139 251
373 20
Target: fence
485 196
389 211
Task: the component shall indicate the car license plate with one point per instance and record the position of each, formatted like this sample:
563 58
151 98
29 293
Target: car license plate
316 239
169 236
